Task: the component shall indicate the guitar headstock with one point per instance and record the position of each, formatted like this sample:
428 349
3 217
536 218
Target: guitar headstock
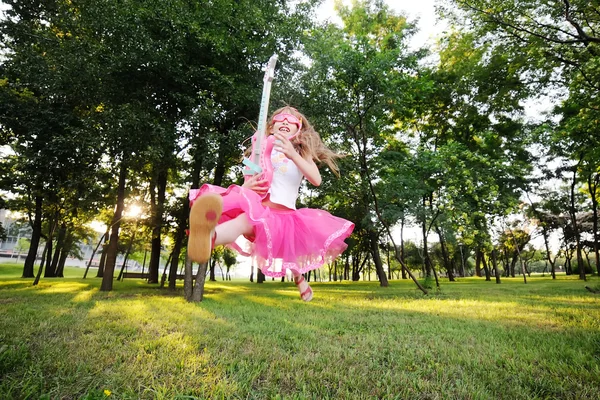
270 72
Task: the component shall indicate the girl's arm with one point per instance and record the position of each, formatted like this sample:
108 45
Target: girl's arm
308 168
306 165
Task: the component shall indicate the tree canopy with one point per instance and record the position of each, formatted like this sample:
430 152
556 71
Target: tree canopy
108 103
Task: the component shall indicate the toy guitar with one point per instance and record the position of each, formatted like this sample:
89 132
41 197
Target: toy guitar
260 161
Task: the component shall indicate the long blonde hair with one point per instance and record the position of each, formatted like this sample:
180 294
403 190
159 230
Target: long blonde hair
307 141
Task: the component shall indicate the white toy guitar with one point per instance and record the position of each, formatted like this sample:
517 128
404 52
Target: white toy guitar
259 161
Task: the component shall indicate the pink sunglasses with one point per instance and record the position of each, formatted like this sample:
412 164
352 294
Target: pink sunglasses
290 118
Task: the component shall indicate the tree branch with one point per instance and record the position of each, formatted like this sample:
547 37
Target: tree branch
577 66
592 290
578 27
589 25
502 22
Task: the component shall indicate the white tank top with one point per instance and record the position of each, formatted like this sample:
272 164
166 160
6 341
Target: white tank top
286 180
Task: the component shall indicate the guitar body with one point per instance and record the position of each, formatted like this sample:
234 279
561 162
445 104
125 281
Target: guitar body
265 159
264 162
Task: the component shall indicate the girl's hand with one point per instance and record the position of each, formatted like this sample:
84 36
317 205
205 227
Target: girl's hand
257 184
306 166
284 145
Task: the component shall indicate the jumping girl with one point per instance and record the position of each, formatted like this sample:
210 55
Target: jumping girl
260 219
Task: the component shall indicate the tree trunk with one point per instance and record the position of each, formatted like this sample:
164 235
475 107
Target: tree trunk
197 293
568 258
39 273
518 254
447 263
144 262
174 266
506 262
485 267
402 248
182 223
357 269
157 211
188 289
36 234
346 273
374 239
126 257
46 252
513 263
495 264
102 262
463 271
211 269
49 273
437 281
113 244
523 269
526 265
163 277
387 255
64 253
333 271
572 212
224 149
60 241
548 255
60 269
587 256
426 259
93 254
593 188
478 262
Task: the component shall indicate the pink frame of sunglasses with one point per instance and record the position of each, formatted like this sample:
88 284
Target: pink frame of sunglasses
291 119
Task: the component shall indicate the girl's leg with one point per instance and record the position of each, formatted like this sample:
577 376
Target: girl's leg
205 234
228 231
304 288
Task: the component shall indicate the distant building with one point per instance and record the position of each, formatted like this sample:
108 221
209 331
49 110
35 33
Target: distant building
10 251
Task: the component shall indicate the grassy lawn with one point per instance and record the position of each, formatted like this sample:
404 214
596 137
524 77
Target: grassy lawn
472 340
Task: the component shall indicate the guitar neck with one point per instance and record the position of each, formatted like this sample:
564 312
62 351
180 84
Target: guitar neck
262 119
264 107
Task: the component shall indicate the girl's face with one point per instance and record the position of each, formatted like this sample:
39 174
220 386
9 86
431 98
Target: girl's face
286 124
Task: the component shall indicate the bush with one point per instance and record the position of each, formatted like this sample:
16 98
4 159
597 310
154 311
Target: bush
588 268
428 282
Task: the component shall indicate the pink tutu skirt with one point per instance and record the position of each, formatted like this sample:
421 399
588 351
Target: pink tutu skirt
299 240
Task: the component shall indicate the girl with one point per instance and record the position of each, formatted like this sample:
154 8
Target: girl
259 219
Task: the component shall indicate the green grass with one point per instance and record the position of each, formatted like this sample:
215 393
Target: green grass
472 340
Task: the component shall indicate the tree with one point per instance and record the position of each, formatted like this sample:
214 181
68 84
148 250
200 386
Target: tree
512 243
364 73
555 47
471 156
